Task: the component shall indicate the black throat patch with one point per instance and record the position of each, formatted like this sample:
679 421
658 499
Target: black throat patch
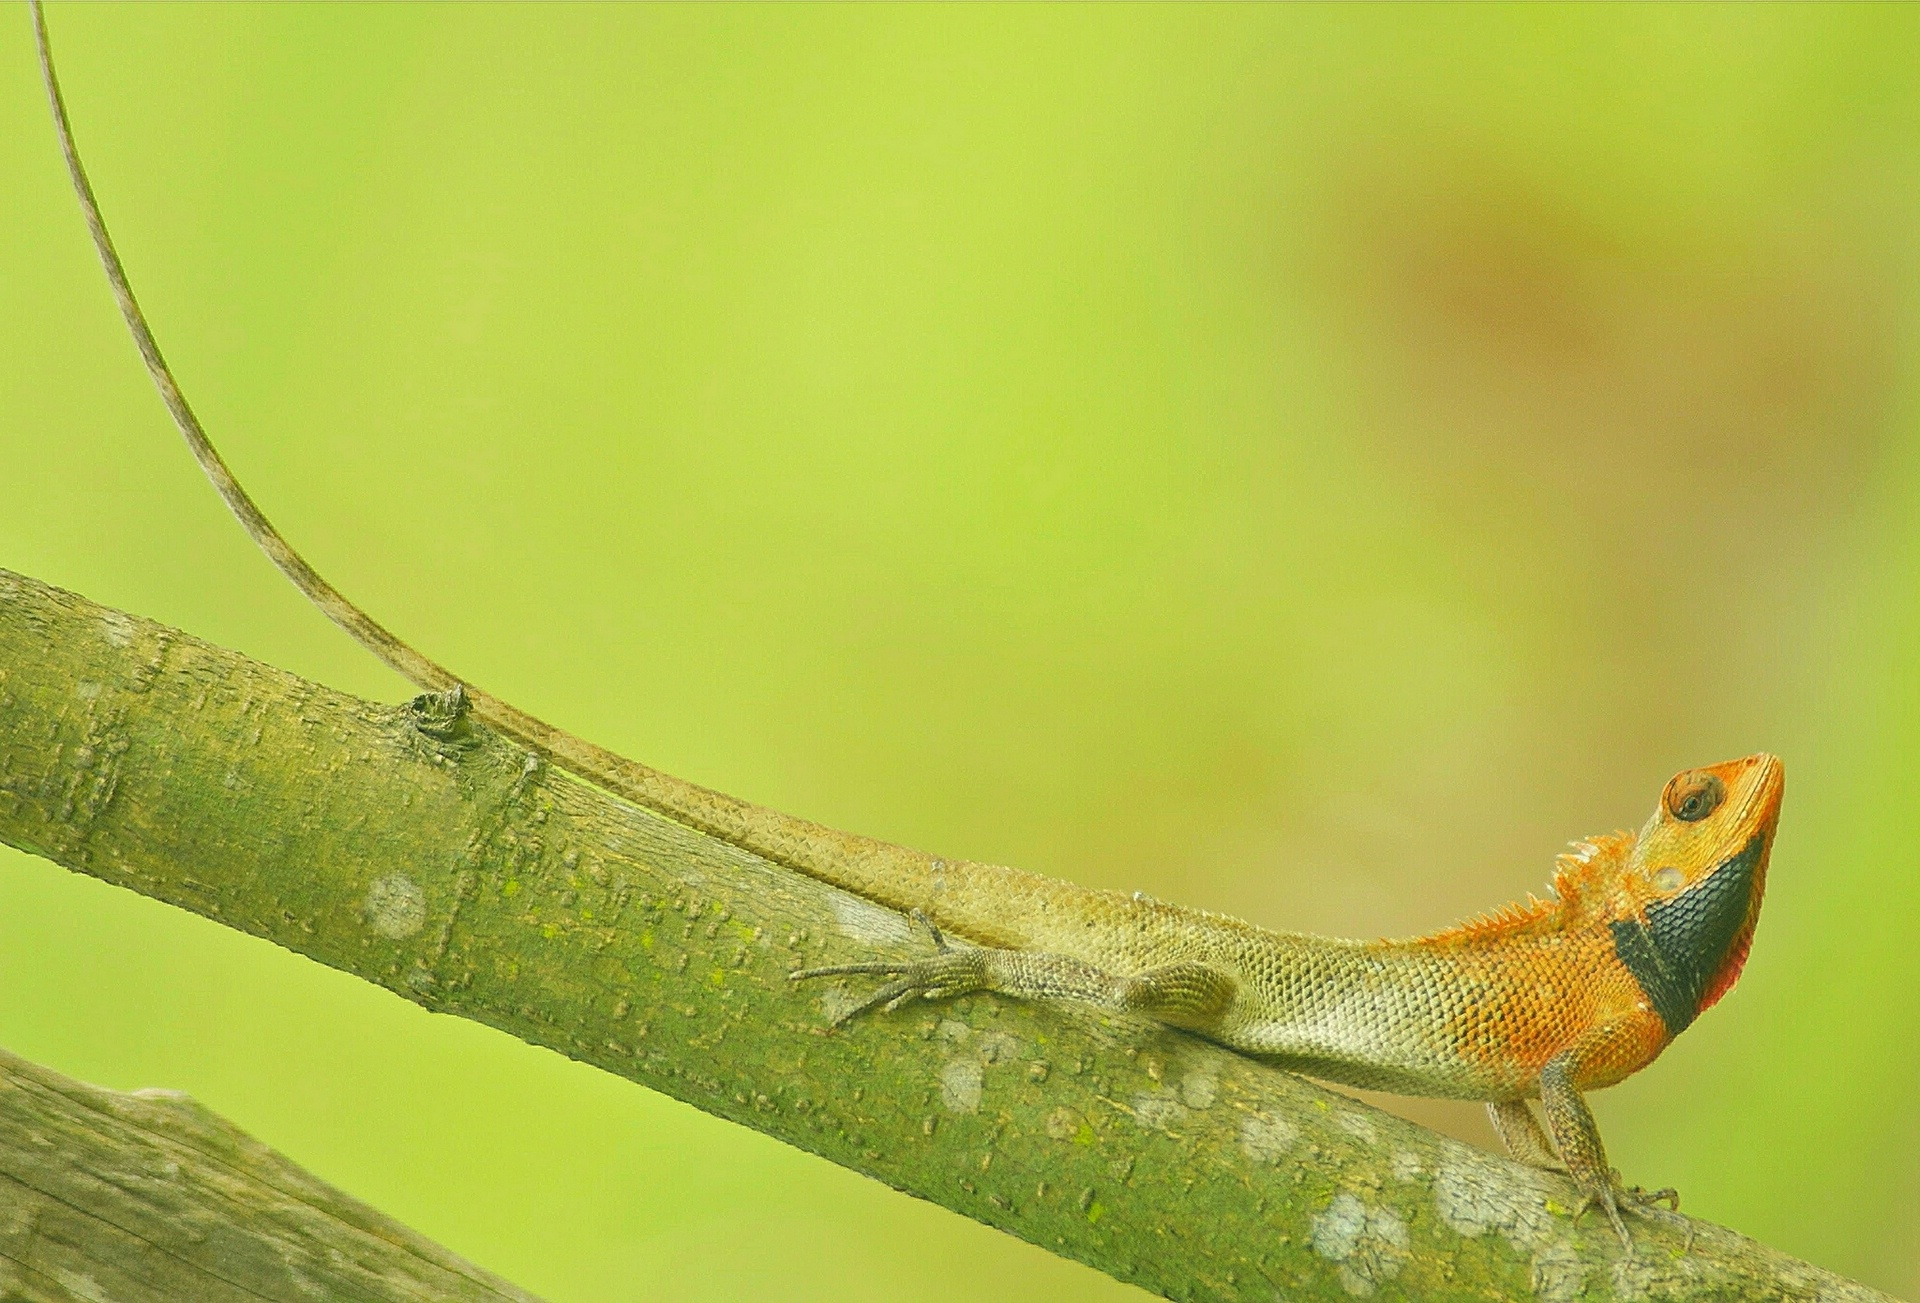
1676 952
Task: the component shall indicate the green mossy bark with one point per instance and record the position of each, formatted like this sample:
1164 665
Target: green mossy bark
416 850
148 1198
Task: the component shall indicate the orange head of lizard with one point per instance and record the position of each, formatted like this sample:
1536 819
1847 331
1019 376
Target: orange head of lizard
1696 876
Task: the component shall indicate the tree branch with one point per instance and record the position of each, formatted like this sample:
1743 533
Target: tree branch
414 849
149 1198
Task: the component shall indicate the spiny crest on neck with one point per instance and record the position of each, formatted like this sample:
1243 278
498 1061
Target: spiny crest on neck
1586 879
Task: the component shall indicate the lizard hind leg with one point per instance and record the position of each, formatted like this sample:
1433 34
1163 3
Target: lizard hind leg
1520 1132
1190 995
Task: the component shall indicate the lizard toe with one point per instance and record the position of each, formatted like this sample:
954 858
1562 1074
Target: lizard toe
937 977
1617 1200
1603 1198
1643 1198
1647 1203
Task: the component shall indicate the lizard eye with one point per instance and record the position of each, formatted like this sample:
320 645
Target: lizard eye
1693 796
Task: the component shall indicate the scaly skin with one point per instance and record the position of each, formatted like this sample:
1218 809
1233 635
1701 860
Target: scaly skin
1544 1000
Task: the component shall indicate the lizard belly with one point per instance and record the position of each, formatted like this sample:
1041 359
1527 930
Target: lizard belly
1468 1018
1368 1017
1464 1022
1376 1015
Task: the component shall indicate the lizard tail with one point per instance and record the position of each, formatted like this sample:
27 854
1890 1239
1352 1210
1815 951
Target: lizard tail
365 630
889 874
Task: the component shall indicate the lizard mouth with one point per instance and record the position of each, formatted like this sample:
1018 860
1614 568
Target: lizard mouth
1760 791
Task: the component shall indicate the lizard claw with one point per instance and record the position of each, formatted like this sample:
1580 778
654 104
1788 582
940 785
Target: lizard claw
947 972
1642 1198
1616 1198
1646 1203
940 938
1605 1200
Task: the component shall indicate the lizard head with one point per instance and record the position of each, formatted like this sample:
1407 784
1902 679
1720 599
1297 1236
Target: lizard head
1695 878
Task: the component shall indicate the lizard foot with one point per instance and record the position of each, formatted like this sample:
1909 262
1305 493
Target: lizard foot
1641 1197
949 971
1646 1203
1616 1198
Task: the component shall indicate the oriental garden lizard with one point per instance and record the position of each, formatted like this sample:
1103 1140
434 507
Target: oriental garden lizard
1544 1000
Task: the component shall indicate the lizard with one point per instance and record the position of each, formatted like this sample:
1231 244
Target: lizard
1543 1000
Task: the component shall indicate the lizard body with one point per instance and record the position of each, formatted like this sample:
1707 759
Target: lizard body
1548 999
1544 1000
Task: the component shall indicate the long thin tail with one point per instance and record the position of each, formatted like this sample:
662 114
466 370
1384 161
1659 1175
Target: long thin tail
881 871
370 633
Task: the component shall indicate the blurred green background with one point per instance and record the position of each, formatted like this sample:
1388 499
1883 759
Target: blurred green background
1305 462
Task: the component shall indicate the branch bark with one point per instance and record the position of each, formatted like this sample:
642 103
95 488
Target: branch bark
412 848
149 1198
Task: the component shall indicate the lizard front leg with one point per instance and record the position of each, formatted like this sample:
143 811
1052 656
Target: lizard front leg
1191 995
1578 1139
1520 1132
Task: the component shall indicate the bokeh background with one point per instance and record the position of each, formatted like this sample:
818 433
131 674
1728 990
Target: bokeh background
1305 462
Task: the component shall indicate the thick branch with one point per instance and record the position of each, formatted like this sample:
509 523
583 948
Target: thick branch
149 1198
406 846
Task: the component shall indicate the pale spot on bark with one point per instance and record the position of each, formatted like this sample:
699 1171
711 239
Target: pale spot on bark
1199 1089
80 1286
395 907
1558 1274
1369 1245
1357 1125
960 1083
1476 1197
1266 1139
864 921
163 1095
1161 1112
998 1047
